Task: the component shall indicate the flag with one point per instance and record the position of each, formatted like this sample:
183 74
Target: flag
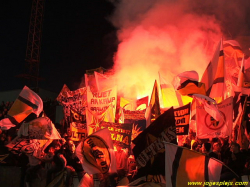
59 179
40 128
185 167
96 153
240 82
208 126
182 118
210 106
154 102
25 145
241 126
120 132
90 82
101 107
213 76
103 81
169 97
149 148
186 84
78 126
63 93
141 103
73 100
27 102
126 103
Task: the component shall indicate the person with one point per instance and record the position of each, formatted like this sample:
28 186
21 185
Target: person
237 160
121 161
34 167
59 165
206 148
132 167
216 152
47 157
72 159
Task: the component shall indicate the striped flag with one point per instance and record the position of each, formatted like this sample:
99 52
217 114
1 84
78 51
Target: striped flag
27 102
185 167
213 76
186 84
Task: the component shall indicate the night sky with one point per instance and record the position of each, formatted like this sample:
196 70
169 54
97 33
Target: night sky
76 36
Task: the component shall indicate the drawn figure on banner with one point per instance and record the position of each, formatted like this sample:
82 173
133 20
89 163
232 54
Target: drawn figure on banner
135 131
212 124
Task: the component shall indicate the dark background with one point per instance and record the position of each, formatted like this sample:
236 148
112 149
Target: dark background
76 36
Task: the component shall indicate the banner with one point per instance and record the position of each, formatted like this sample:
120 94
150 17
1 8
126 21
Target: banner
25 145
149 148
208 127
63 93
135 115
101 107
96 153
73 100
120 132
78 126
41 128
182 118
138 126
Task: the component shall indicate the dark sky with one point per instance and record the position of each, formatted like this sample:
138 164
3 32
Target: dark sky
76 36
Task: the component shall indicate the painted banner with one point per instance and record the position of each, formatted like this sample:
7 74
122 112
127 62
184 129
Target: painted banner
182 118
73 100
96 153
101 107
208 127
134 115
120 132
138 126
40 128
149 147
25 145
78 126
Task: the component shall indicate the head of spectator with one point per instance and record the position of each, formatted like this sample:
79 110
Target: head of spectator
118 147
235 147
57 146
70 146
216 147
206 148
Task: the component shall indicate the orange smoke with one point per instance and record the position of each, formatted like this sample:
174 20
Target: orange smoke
159 36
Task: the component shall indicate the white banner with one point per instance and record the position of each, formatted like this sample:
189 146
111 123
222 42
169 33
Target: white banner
208 127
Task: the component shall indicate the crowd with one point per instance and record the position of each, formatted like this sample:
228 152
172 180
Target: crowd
59 158
230 153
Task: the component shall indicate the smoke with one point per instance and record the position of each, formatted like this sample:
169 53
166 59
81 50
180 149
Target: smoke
167 36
